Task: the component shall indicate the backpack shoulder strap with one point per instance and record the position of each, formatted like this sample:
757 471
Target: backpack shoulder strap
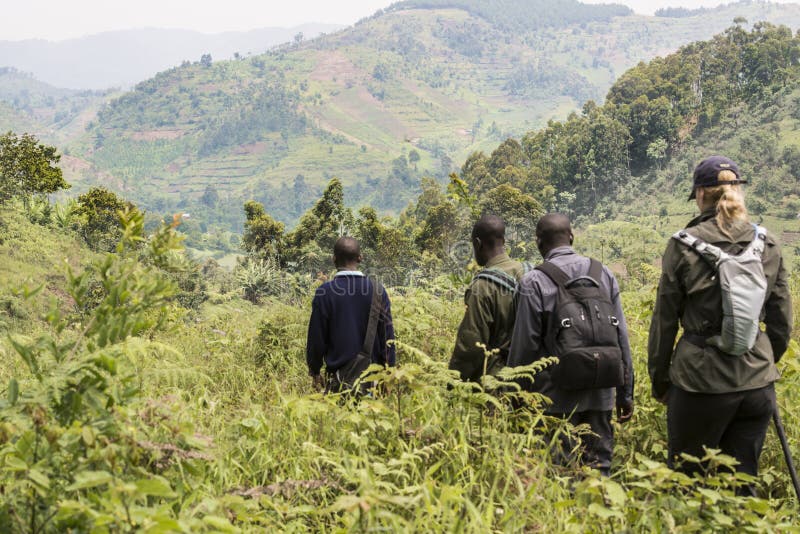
496 276
759 240
707 251
555 274
374 313
595 270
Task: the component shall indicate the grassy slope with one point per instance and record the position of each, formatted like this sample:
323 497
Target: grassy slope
212 388
31 257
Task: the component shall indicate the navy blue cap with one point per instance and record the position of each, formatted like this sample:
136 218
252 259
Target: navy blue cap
706 174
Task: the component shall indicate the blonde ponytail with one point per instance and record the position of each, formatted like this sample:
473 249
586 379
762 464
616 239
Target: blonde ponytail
728 199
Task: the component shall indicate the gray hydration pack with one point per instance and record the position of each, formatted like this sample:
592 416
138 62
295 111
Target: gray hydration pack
744 290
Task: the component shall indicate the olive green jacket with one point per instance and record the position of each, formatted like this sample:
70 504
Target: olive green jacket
689 294
489 319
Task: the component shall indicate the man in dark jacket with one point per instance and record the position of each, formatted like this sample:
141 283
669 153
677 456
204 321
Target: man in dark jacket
339 316
490 302
537 299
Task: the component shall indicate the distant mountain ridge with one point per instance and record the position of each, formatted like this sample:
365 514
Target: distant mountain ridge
123 58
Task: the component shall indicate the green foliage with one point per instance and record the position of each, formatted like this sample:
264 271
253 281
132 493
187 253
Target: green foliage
98 210
311 242
258 278
146 420
27 168
520 213
65 214
263 236
71 458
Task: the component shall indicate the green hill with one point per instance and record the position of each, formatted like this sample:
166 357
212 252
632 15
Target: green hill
141 392
54 114
408 92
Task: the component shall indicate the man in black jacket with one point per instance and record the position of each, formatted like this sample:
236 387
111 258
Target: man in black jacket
340 314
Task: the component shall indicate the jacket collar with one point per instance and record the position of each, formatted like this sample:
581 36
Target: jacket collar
348 273
704 216
497 260
559 251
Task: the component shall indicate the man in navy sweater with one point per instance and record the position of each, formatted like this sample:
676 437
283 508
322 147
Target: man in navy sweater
339 316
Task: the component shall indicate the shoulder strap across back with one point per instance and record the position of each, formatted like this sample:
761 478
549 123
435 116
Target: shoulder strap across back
595 271
501 278
374 315
555 274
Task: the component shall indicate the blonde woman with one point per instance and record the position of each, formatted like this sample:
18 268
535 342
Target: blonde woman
714 399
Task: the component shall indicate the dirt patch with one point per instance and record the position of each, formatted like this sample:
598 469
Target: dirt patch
335 65
619 269
254 148
790 237
154 135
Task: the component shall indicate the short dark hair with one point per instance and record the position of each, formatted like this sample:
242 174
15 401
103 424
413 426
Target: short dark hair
554 229
346 250
490 229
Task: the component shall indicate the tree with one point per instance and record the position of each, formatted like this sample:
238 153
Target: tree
413 158
205 60
210 196
263 235
508 153
400 169
312 240
520 212
27 168
381 72
657 151
99 211
368 228
438 229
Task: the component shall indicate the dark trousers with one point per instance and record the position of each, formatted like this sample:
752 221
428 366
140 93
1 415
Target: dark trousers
735 423
595 449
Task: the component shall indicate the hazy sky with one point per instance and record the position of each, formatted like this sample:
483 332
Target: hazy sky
61 19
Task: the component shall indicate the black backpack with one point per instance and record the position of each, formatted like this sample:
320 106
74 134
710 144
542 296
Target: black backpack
582 330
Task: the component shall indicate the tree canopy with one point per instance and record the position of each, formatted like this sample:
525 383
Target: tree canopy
28 167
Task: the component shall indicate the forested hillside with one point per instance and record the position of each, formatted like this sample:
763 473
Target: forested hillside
408 93
144 390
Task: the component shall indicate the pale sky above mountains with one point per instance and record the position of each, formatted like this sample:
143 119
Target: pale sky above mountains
60 19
